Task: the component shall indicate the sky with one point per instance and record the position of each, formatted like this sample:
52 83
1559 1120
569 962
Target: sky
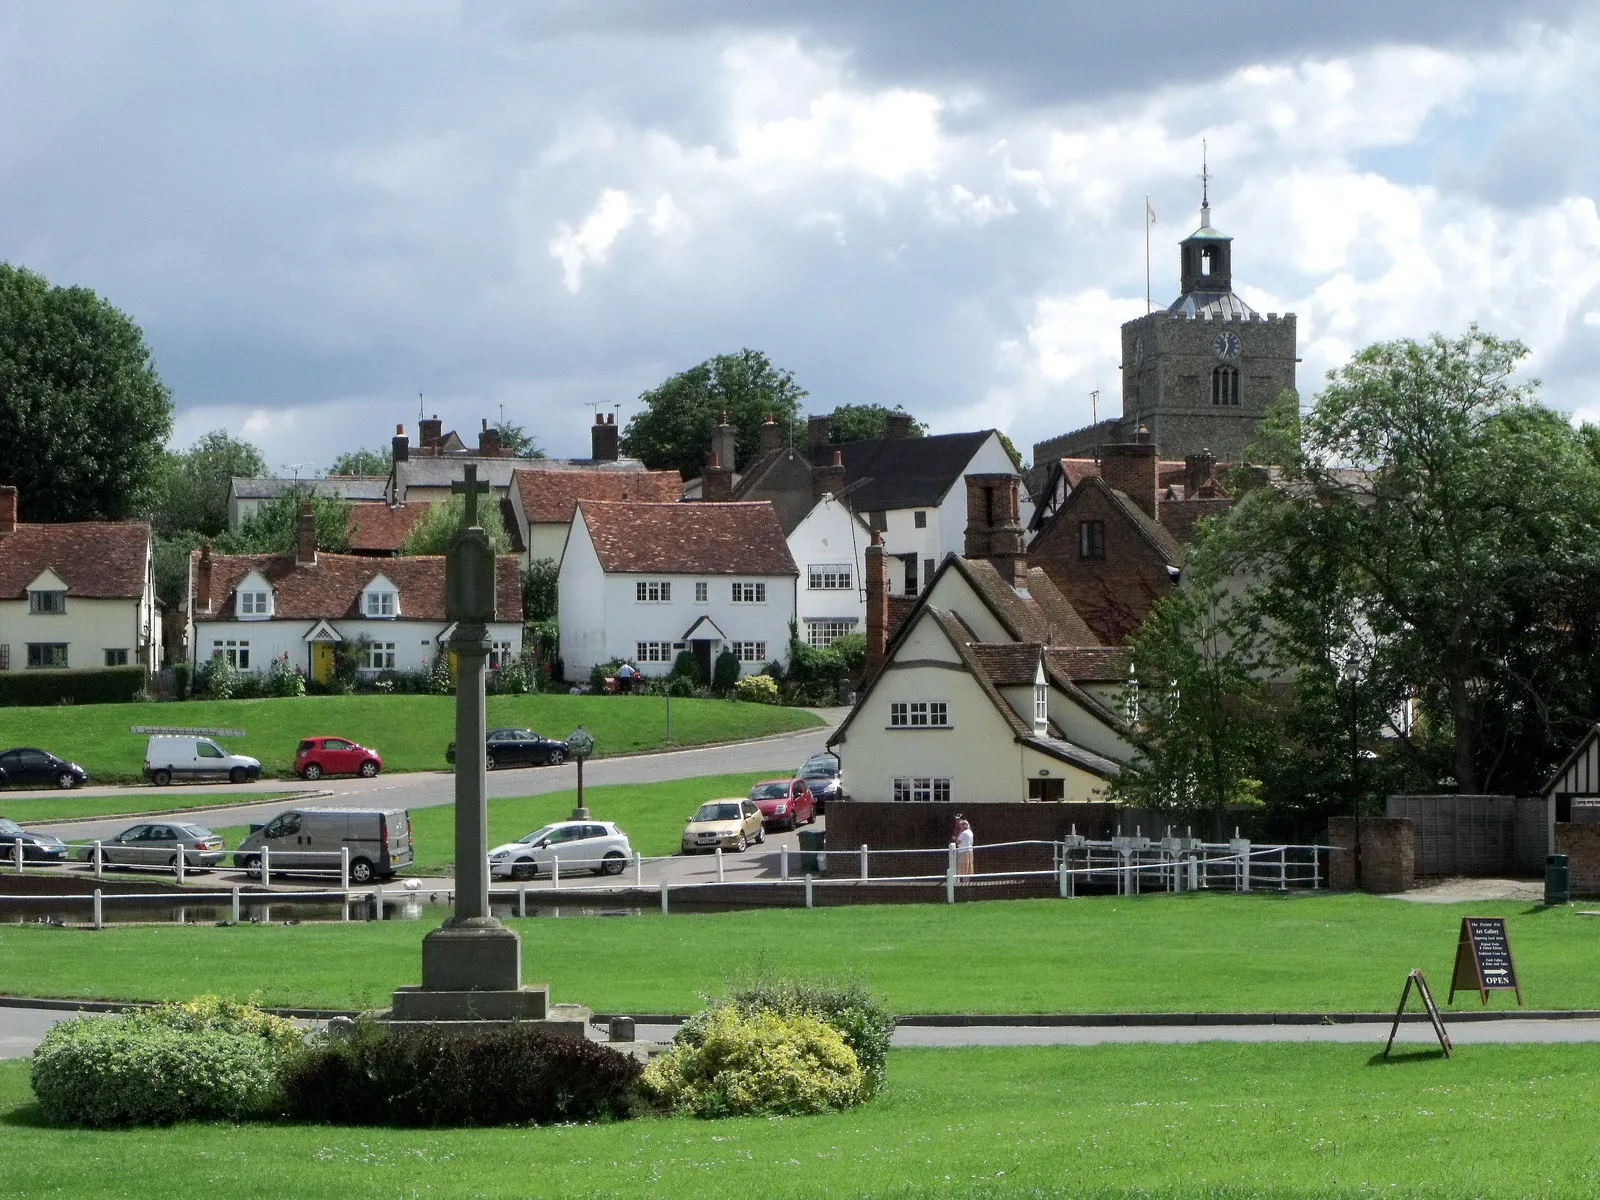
318 210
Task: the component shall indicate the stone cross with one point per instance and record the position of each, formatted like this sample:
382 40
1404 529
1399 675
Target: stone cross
473 487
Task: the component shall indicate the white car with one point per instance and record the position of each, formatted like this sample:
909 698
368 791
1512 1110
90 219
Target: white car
597 846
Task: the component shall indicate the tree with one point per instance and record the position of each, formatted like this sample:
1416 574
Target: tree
857 422
193 487
540 590
518 440
364 462
83 413
274 528
674 430
434 530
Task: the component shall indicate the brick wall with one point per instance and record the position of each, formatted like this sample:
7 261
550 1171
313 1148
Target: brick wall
887 825
1115 594
1388 854
1580 842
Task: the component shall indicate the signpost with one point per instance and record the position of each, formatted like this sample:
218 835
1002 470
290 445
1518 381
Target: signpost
1420 980
1483 959
580 745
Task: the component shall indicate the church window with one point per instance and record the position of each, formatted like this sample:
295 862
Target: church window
1225 386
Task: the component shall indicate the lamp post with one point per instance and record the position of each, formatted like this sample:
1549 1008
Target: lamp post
1351 675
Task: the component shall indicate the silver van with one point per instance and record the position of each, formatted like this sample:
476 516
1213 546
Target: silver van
180 756
310 838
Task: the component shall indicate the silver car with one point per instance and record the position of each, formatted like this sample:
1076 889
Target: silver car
157 844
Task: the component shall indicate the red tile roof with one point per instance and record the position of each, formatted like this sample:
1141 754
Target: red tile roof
377 527
98 559
550 497
331 587
722 538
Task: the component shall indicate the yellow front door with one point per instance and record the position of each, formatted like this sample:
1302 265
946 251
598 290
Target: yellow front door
322 661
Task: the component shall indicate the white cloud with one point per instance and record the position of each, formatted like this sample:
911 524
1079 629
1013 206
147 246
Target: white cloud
588 244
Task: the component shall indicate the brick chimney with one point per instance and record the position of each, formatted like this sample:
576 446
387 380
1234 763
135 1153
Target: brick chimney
1198 470
724 444
994 524
489 444
877 571
771 435
603 438
8 509
828 480
716 481
898 424
202 579
430 432
819 431
401 444
305 553
1131 468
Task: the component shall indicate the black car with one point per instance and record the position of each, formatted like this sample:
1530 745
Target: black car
40 847
824 777
516 748
28 766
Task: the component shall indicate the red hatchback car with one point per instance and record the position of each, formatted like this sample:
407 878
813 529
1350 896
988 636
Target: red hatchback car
784 803
319 756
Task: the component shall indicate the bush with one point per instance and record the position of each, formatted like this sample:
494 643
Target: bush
217 679
437 679
508 1076
284 678
725 673
757 689
180 681
687 666
102 685
760 1062
206 1059
848 1008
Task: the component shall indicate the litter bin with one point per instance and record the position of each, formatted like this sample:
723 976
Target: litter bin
1556 889
811 862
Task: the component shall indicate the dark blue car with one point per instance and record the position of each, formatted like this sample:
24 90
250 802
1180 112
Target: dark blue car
28 766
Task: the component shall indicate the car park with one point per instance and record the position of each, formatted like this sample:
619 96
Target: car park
36 847
825 778
516 748
784 803
597 846
730 824
309 838
158 844
28 766
182 756
319 756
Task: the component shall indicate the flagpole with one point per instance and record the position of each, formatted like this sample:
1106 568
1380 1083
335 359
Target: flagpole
1148 308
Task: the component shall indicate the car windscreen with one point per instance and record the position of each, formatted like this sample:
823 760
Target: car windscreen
197 831
770 791
819 771
9 826
718 812
539 834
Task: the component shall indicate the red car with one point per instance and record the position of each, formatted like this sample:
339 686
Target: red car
319 756
784 803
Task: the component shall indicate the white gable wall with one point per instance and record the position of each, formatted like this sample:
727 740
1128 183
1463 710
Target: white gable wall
830 534
581 591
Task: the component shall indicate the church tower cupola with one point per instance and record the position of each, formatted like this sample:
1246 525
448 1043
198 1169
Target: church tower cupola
1207 253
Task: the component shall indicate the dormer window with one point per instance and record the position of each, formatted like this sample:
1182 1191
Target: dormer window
47 601
254 604
254 598
380 601
380 604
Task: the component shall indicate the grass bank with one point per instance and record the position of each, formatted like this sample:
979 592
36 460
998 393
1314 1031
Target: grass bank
411 732
1213 1119
1208 953
73 804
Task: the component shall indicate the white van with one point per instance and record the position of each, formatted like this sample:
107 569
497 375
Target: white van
309 838
179 756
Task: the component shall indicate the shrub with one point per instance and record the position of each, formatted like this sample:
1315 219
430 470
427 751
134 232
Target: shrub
206 1059
180 681
438 681
760 1062
725 673
101 685
218 679
509 1076
284 678
849 1008
686 666
757 689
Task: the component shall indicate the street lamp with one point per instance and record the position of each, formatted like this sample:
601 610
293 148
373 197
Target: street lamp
1351 675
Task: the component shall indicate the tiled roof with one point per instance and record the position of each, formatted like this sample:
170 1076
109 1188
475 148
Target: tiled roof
97 559
725 538
551 497
377 527
345 487
442 472
1091 664
331 587
910 472
1044 614
1008 664
1181 518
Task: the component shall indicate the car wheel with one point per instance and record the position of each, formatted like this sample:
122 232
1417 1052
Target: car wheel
524 871
488 762
172 864
311 771
252 867
238 775
556 758
66 781
360 871
761 835
161 778
369 768
740 847
612 864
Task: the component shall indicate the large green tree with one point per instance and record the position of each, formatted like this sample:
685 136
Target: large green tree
192 489
83 413
364 462
434 530
674 429
858 422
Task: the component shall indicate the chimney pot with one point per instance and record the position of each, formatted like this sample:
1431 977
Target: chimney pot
306 544
202 579
819 429
771 435
603 438
1131 468
994 524
877 571
8 509
401 446
898 424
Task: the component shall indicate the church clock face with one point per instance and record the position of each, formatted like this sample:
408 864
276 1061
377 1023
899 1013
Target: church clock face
1226 346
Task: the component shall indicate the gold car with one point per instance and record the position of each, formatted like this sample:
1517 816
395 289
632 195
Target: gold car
733 824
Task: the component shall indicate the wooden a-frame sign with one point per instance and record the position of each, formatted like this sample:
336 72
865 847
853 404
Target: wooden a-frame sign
1420 981
1483 959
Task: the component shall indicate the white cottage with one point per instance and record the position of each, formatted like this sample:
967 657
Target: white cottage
828 545
254 608
641 582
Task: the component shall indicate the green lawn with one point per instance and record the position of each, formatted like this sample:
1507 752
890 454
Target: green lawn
1214 1120
74 804
411 732
1211 953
